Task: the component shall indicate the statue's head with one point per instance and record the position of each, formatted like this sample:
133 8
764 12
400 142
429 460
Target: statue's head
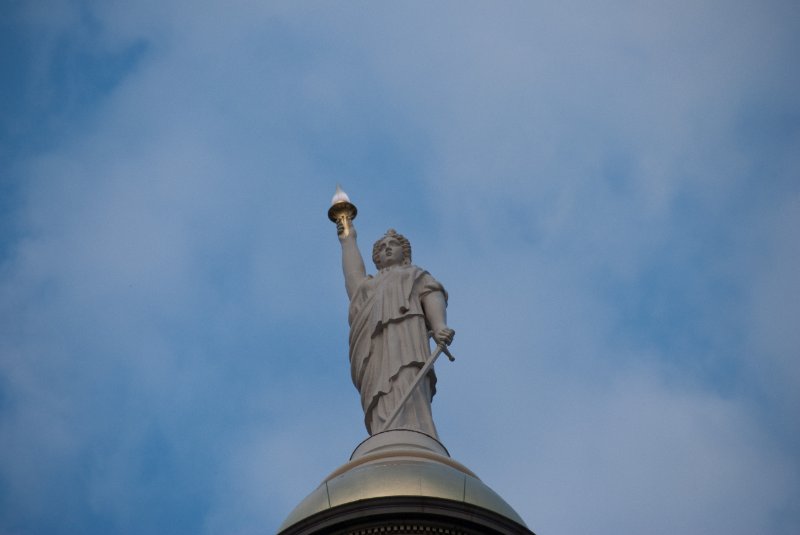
391 249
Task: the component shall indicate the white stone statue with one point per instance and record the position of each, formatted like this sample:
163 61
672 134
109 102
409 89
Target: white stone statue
391 315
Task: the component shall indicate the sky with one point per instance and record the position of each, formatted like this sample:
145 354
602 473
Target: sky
609 191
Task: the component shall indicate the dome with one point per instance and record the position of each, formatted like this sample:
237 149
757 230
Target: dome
402 472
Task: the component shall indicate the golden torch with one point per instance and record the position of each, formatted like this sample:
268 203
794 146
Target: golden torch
342 210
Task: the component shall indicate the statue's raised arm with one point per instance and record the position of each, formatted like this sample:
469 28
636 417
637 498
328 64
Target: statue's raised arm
352 262
390 316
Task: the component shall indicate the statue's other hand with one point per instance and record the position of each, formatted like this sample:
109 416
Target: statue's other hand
445 334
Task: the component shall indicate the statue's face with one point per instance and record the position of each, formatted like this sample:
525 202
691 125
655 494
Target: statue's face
390 252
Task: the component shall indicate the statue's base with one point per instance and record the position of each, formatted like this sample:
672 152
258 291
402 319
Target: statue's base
402 472
399 440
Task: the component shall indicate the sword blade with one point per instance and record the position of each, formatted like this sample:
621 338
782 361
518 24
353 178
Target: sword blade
422 373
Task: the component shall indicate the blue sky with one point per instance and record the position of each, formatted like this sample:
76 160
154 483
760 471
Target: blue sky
609 192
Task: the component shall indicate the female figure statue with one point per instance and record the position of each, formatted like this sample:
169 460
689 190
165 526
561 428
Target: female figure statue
391 314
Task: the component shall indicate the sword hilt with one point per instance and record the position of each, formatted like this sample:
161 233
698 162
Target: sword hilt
441 346
446 351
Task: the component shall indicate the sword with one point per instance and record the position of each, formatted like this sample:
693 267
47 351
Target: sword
441 347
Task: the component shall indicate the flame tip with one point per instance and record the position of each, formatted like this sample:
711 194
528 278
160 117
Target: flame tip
339 195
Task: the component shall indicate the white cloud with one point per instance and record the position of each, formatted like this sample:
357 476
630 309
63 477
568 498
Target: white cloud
774 341
581 181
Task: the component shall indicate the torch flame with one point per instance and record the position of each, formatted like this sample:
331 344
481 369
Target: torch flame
342 211
339 196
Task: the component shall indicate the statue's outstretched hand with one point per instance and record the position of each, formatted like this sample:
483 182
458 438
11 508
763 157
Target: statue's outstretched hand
340 230
444 335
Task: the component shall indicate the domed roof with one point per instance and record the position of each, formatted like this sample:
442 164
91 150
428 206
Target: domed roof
401 463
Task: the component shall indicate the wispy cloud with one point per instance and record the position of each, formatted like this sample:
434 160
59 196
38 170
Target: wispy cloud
608 193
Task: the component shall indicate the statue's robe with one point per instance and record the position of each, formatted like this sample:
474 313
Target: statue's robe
388 346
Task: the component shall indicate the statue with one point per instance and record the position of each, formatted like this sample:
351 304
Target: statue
392 314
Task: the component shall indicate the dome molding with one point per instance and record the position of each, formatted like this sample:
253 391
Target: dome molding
407 515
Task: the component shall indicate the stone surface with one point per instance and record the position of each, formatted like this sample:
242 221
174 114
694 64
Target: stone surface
390 316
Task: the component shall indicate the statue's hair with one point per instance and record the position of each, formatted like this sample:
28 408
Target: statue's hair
404 243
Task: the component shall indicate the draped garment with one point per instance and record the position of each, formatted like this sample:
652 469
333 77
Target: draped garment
388 346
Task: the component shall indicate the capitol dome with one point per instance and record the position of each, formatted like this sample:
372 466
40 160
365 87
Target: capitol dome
403 481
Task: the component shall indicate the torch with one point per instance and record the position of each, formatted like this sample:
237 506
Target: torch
342 210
